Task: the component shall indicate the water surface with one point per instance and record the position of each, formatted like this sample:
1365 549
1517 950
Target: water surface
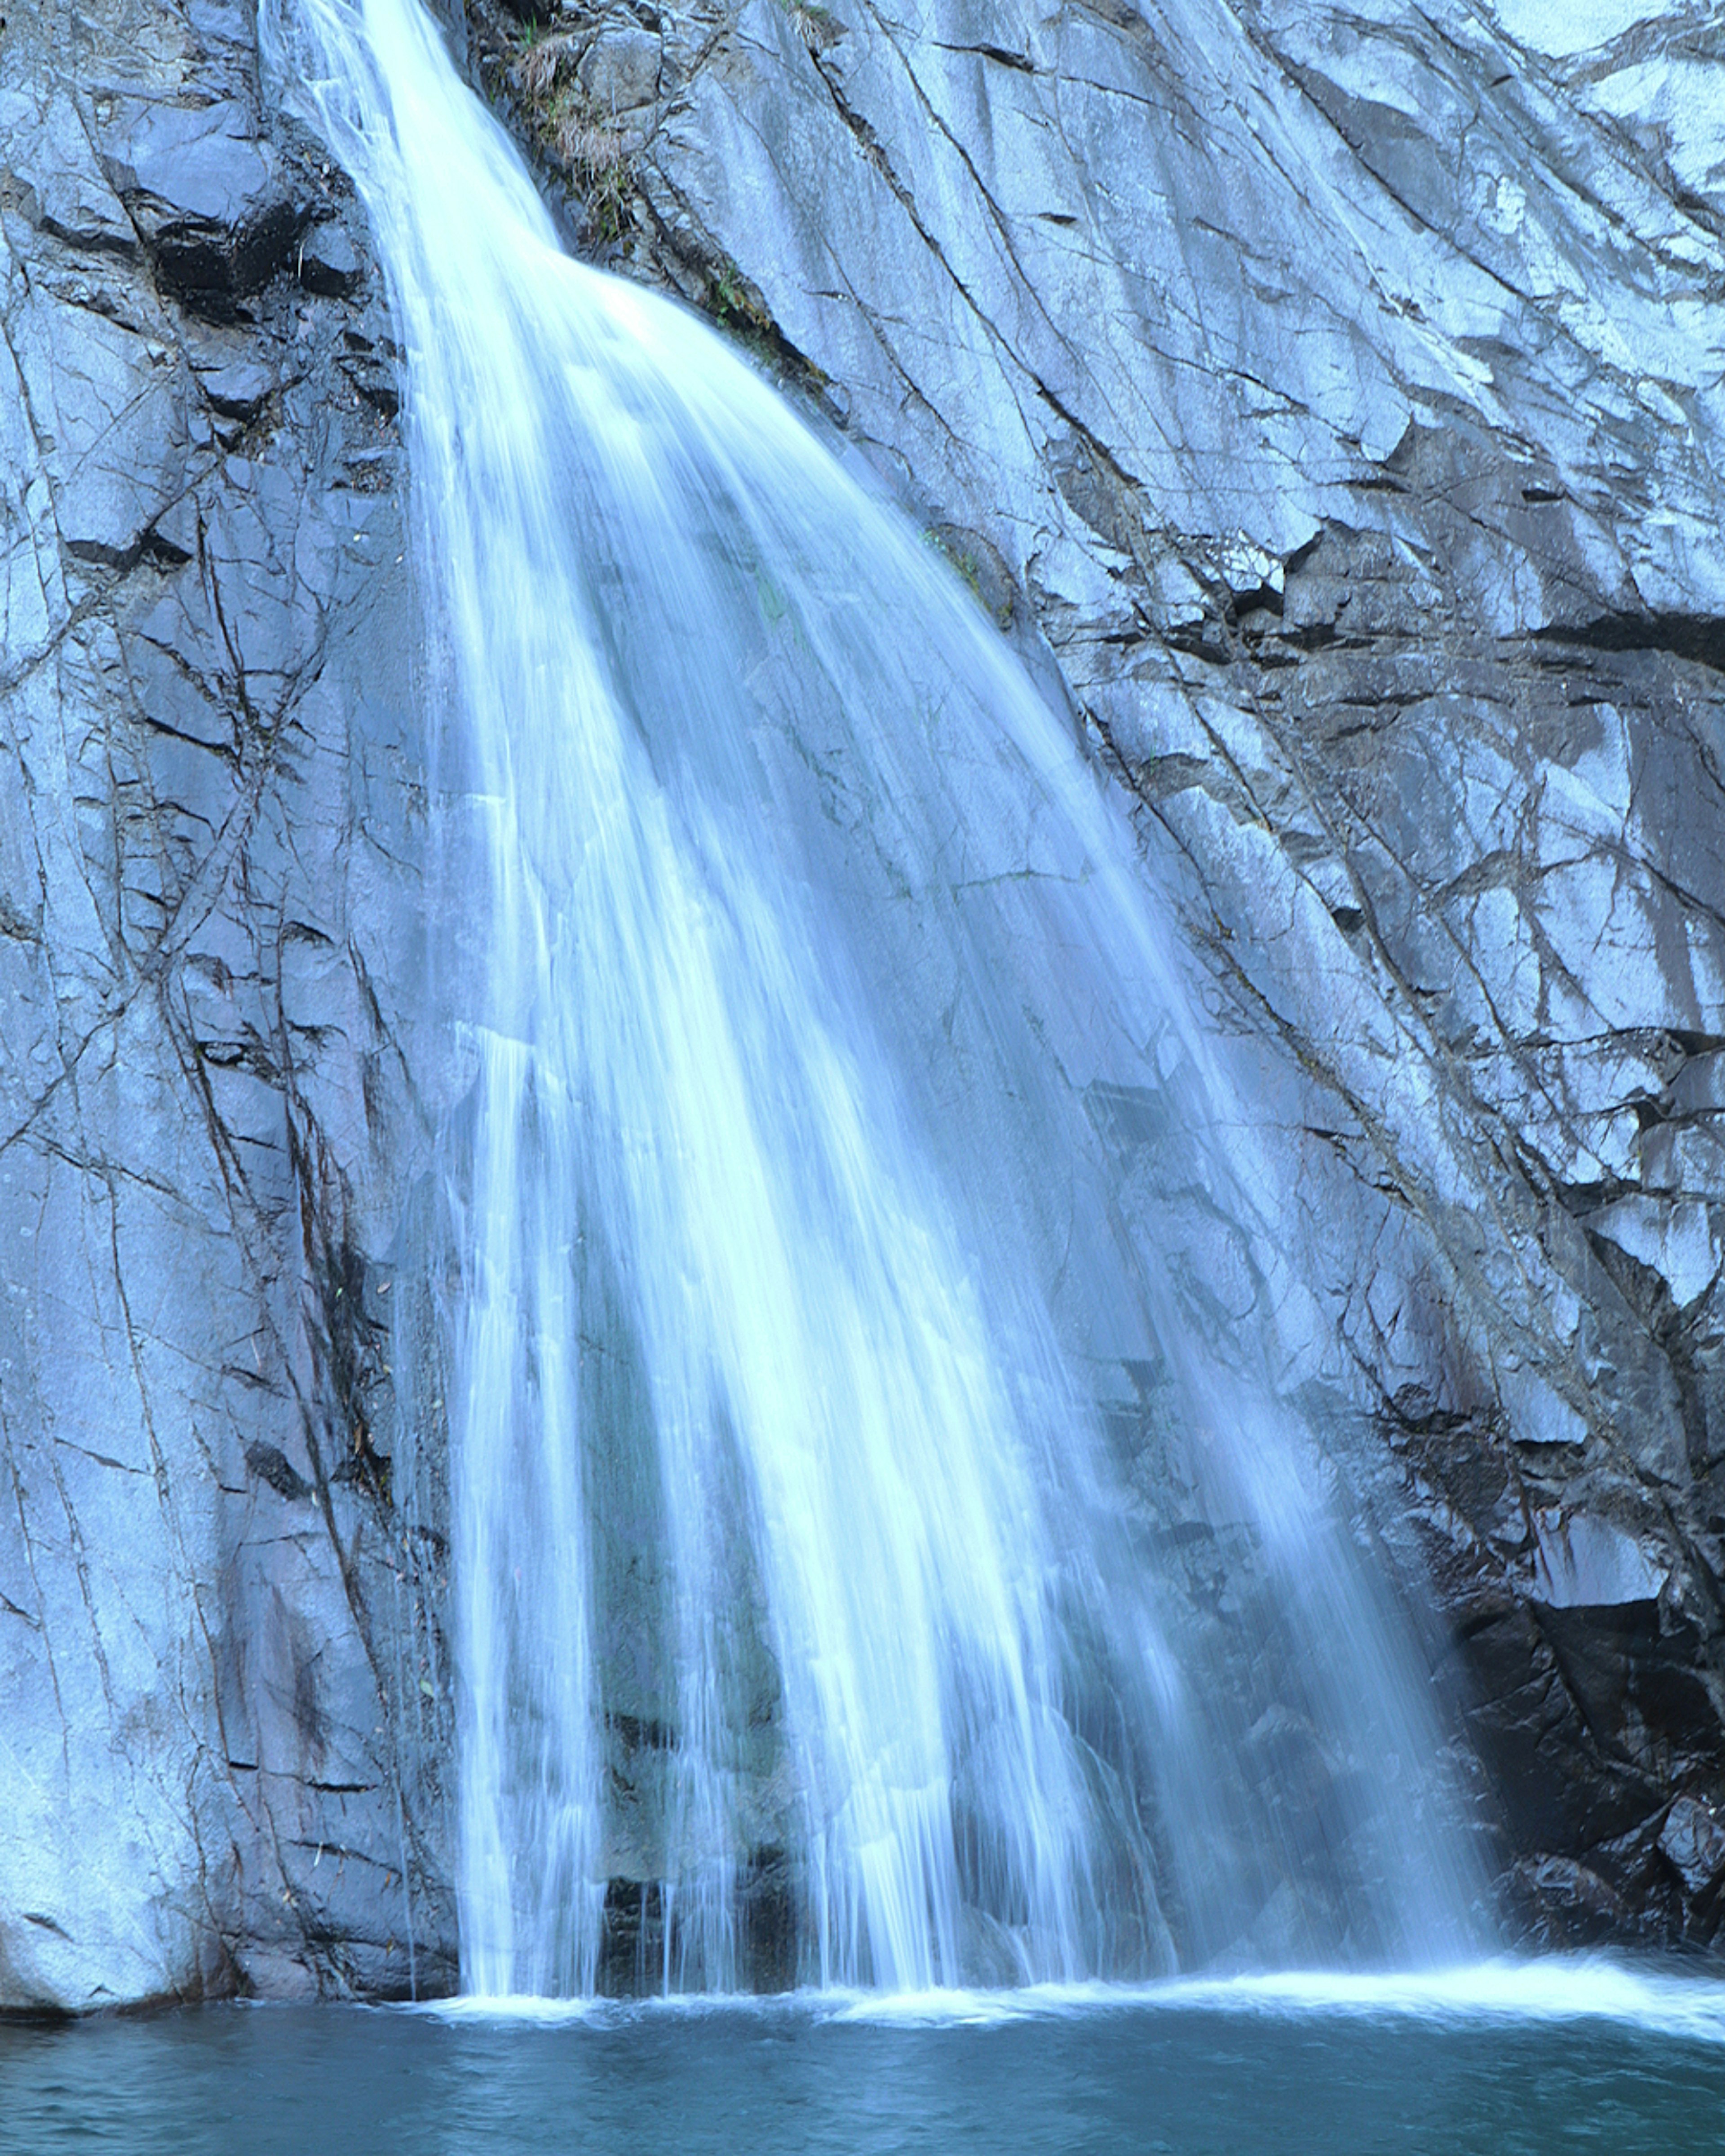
1506 2060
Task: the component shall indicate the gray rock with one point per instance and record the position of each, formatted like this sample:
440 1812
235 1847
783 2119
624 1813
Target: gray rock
52 174
1694 1840
238 391
619 70
200 182
1585 1563
107 405
328 262
224 1700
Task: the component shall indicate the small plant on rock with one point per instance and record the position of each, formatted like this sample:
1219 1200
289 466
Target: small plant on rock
595 152
536 72
733 302
598 157
813 23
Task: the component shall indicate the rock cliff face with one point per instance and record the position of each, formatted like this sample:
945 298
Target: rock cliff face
213 1685
1327 403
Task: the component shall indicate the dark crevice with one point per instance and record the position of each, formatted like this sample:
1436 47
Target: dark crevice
1698 638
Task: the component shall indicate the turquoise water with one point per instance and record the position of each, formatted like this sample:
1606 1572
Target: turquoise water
1506 2059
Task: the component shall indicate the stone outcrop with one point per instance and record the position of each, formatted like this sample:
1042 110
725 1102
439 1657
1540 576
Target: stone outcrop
1326 402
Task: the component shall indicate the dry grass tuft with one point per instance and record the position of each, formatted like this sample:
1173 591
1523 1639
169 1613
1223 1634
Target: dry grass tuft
598 156
536 72
588 147
813 24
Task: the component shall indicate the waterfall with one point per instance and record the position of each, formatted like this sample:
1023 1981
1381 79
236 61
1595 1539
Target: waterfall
880 1556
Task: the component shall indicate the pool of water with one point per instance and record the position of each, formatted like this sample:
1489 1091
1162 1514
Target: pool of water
1533 2058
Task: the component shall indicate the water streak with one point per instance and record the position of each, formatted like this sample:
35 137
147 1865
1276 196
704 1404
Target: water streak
841 1198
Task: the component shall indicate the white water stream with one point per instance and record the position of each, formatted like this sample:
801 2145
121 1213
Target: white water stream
825 1045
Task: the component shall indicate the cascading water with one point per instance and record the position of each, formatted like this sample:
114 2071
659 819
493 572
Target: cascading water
841 1393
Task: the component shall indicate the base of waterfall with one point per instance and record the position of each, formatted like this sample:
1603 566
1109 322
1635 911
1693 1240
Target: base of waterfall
1663 1998
1511 2056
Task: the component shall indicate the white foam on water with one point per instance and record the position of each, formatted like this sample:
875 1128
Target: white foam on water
1506 1990
1548 1988
522 2009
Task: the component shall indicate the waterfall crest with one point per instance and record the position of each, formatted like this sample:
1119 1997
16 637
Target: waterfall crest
879 1549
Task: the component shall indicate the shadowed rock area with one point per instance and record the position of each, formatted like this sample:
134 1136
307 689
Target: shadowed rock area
1325 402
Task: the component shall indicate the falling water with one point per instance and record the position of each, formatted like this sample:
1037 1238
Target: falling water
879 1554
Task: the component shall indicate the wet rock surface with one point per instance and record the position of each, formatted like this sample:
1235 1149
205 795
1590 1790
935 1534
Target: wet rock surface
1328 400
223 1720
